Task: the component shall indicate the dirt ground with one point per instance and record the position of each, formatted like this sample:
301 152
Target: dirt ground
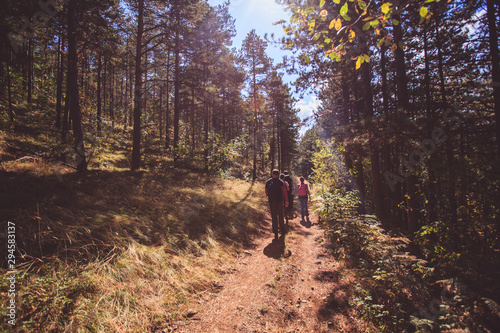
292 284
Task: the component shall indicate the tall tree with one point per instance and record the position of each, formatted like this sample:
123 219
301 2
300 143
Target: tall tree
257 63
73 91
136 148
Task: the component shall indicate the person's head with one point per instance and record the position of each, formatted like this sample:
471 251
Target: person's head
275 173
302 179
282 177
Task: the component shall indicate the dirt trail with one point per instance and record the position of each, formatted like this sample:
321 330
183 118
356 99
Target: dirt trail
288 285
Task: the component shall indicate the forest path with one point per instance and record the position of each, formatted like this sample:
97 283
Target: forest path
292 284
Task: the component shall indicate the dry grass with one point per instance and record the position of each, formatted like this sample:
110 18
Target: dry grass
115 250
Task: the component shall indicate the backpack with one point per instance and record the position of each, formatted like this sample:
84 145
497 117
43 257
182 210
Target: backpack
274 189
290 183
302 190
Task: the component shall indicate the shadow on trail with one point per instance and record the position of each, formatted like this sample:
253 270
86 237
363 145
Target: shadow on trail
306 224
277 249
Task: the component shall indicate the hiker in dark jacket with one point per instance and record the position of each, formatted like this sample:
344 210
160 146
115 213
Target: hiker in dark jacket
276 193
290 190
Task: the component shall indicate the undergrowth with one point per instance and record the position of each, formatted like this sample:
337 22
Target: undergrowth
398 292
394 290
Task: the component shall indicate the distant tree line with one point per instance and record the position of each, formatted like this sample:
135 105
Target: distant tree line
162 71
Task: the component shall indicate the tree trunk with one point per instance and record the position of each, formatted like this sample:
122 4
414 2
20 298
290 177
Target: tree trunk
31 61
65 119
385 88
495 64
254 84
9 91
273 139
136 149
451 195
177 111
127 83
431 206
206 117
104 86
160 112
167 111
412 204
74 99
404 105
374 154
401 79
193 128
60 79
112 95
99 93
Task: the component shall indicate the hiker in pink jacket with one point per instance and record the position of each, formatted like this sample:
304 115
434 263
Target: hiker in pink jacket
304 196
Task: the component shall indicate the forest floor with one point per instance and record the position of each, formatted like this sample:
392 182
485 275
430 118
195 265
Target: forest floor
292 284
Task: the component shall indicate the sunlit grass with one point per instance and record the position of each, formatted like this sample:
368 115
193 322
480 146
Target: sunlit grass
114 250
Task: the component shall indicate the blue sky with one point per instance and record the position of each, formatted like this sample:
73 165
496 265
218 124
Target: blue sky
260 15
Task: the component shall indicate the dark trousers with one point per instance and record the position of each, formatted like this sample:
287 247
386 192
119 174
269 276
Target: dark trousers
277 216
290 201
303 206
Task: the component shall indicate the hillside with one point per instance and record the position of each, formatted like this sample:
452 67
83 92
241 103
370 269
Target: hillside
114 250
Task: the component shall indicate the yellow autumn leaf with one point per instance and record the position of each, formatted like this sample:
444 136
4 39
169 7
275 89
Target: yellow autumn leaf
423 11
358 63
352 35
338 24
393 48
385 7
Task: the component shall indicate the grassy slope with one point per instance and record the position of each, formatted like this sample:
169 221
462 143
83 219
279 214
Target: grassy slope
114 250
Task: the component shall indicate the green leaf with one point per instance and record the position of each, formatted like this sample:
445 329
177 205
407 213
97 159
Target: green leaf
395 22
343 9
374 23
336 1
305 58
316 36
423 11
367 26
321 3
362 5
